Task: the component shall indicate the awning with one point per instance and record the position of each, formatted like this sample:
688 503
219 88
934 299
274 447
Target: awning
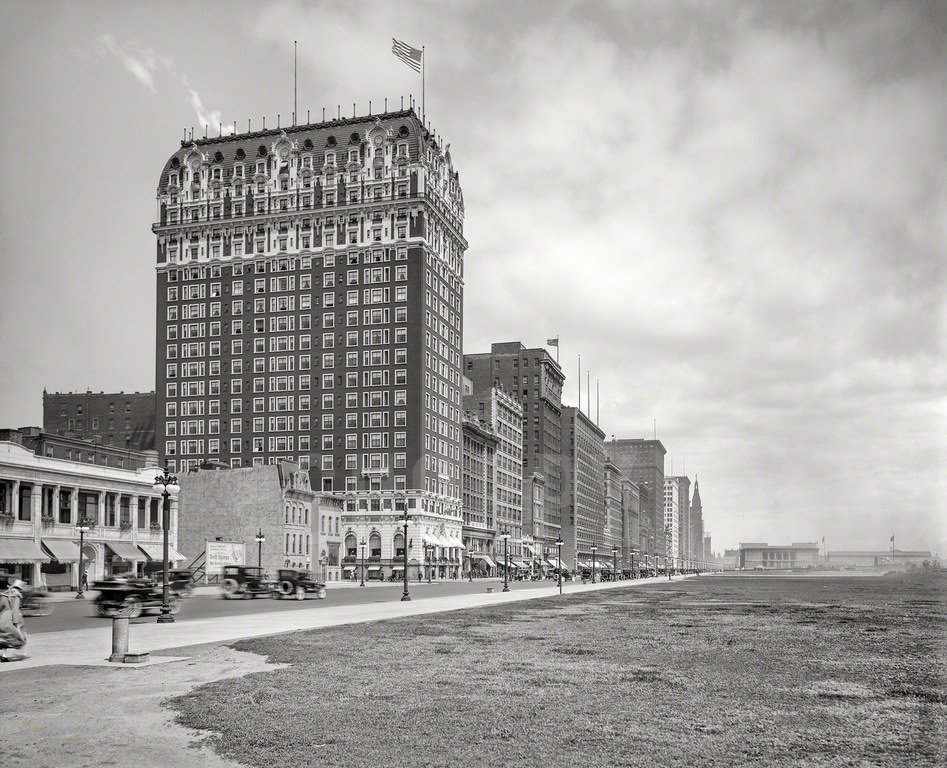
124 550
349 568
156 552
374 567
454 542
528 548
485 558
555 562
63 550
21 551
525 564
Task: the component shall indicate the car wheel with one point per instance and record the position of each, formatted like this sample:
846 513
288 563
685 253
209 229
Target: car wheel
132 607
322 594
300 593
101 610
229 587
175 606
286 587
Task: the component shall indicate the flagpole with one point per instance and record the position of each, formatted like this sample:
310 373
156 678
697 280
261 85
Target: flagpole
423 66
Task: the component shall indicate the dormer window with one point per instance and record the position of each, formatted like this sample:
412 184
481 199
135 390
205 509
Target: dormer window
402 150
216 175
238 171
261 167
307 161
353 156
330 158
173 180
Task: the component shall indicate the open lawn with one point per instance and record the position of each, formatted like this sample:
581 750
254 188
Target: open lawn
725 670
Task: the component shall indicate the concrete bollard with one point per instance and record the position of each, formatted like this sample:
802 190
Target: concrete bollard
489 590
119 638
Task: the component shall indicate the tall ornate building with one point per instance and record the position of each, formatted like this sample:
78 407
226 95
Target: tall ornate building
310 309
642 462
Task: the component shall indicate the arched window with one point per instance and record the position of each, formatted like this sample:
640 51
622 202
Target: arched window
374 544
351 545
399 544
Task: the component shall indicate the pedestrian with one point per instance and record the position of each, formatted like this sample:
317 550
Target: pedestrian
12 631
85 582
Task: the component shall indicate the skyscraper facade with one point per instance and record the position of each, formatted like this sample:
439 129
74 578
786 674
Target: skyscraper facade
583 491
536 379
310 309
642 462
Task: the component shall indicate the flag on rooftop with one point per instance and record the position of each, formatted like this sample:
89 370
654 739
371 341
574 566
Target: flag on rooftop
553 342
410 56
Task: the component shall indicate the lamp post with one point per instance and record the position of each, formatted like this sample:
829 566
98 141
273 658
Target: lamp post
667 556
405 521
260 538
362 543
559 560
594 547
633 574
506 562
166 484
83 526
615 563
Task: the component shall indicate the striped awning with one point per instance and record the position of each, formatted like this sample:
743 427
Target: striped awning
156 552
485 558
63 550
21 551
124 550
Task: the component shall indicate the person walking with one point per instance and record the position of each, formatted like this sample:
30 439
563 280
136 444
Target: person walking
12 631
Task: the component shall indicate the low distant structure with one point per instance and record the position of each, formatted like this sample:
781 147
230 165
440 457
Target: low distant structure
757 556
897 558
119 419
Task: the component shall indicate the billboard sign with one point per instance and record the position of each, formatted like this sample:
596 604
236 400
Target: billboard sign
217 554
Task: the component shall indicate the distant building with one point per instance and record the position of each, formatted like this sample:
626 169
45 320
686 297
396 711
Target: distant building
583 495
43 498
631 510
479 495
756 556
119 419
642 462
897 558
672 520
700 543
685 526
536 380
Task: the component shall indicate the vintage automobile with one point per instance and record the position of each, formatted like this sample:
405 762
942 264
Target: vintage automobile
181 580
131 596
244 581
298 584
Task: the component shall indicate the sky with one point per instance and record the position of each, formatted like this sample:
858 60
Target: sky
733 212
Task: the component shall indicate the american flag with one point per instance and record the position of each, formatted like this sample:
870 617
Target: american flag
410 56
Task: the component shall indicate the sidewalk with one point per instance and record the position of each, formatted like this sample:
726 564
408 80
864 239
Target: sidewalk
91 647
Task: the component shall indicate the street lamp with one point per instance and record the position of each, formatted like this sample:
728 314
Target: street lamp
260 538
166 484
615 563
594 547
506 562
667 556
405 521
430 561
559 560
363 561
83 526
633 574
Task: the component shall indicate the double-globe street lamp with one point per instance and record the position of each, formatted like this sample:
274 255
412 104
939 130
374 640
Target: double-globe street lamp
506 561
405 521
559 560
615 563
166 484
594 548
83 526
260 538
362 542
667 556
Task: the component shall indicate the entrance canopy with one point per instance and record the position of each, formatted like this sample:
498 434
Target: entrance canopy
485 558
21 551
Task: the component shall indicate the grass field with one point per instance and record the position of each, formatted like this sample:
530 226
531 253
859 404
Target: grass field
725 670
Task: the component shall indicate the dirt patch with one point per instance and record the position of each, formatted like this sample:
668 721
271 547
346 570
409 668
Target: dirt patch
52 717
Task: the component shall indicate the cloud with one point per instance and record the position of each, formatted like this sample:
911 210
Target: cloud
144 63
141 63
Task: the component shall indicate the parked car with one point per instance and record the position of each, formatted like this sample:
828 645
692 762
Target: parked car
131 596
298 584
245 581
181 580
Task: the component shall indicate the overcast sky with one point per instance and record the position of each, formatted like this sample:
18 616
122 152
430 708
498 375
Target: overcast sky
734 212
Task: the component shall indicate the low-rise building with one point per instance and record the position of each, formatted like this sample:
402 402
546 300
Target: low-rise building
44 498
757 556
